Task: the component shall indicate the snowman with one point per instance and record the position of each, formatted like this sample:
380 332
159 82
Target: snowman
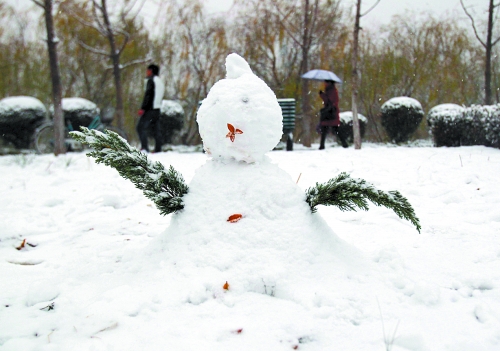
243 224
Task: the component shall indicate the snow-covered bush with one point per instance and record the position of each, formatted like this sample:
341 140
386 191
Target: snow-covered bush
19 117
445 123
345 128
401 117
492 128
481 125
78 111
453 125
171 120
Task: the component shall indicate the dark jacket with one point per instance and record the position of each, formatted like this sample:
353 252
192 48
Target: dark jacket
154 94
330 115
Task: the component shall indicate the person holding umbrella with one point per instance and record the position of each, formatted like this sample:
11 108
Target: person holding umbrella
329 114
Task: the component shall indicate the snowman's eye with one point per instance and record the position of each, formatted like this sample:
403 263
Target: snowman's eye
245 99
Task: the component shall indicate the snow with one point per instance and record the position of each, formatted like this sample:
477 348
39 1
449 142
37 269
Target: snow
77 103
246 104
346 117
445 111
401 101
21 103
170 107
101 254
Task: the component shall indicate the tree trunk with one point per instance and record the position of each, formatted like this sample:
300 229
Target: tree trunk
306 105
489 46
355 120
59 147
115 60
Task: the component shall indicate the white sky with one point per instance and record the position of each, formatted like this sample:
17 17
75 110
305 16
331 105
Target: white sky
379 15
387 8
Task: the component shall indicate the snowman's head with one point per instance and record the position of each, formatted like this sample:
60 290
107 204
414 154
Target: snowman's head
240 118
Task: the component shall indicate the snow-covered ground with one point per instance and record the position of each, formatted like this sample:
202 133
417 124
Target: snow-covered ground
86 278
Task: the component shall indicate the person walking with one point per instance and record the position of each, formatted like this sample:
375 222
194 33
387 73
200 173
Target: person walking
149 114
329 114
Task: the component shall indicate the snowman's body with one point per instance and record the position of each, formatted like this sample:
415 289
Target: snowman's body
277 242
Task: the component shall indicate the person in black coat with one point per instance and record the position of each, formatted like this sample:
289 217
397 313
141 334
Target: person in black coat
149 114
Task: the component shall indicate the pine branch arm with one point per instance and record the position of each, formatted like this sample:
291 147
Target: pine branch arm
348 194
164 188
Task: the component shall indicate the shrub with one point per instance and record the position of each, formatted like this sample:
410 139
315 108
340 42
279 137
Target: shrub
171 121
19 117
445 123
474 125
78 111
345 128
492 128
401 117
481 125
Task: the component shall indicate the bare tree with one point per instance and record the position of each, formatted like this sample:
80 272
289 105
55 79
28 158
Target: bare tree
487 44
52 40
355 77
118 34
306 24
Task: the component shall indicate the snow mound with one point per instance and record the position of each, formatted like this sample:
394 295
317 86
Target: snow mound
401 101
346 117
77 103
448 111
17 103
240 118
276 247
170 107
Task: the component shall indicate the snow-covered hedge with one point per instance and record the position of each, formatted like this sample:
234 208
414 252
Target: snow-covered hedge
345 128
445 124
19 117
453 125
171 120
401 117
79 111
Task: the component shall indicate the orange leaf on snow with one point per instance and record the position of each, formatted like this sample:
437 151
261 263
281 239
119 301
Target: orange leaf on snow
22 245
234 218
226 286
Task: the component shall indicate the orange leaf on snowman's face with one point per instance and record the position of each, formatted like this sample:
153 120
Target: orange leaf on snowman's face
232 132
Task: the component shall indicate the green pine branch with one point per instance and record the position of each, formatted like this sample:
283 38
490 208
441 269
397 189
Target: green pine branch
348 194
164 188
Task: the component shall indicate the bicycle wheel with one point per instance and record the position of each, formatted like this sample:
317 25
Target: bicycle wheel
44 139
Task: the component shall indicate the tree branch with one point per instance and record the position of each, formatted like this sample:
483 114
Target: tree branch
371 8
282 21
94 50
133 62
473 23
39 3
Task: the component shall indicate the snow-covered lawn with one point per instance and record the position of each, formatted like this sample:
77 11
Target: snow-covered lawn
89 278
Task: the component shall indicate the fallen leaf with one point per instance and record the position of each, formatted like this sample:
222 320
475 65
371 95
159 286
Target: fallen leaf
22 245
237 331
226 286
234 218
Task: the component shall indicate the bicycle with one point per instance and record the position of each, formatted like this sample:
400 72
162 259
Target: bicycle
43 137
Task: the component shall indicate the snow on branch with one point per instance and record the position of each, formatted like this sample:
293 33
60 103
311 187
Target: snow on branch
348 194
